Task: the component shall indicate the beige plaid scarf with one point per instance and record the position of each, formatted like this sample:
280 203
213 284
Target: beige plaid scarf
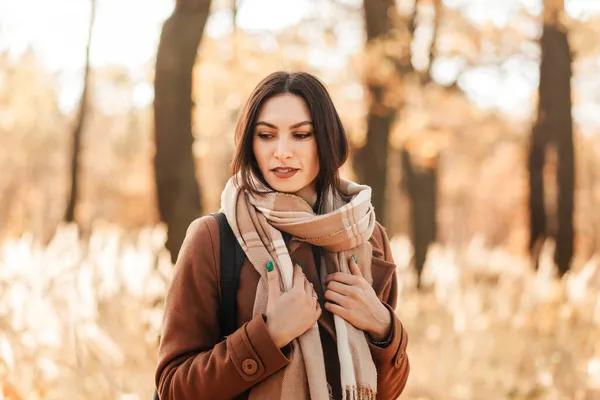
342 228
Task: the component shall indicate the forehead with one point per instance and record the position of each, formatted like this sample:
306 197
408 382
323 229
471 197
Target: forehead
284 109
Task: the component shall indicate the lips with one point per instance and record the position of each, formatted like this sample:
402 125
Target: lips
284 172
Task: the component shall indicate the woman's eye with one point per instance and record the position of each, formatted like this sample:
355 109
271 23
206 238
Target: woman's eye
302 135
264 136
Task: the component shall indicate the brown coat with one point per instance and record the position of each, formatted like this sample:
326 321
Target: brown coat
195 363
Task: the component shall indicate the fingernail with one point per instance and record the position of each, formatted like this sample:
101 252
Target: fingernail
353 256
269 266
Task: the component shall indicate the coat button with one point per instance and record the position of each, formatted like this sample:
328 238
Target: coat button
399 358
249 366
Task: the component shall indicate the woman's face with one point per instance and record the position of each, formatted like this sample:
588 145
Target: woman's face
285 146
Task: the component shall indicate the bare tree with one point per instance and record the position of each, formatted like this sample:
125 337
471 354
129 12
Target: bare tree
178 191
554 125
420 178
420 183
80 123
383 94
386 28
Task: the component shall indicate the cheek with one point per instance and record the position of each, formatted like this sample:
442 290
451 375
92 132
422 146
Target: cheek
260 153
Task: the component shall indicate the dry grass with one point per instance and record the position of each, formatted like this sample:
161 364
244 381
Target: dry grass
494 329
79 320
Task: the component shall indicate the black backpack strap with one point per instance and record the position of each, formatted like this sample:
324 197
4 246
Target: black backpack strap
232 257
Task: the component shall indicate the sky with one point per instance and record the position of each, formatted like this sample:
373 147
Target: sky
57 31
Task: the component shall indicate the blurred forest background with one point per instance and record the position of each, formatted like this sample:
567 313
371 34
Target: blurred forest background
476 122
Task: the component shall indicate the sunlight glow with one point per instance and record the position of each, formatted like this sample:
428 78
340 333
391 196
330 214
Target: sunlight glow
124 37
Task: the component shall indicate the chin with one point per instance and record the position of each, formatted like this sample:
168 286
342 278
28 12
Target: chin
284 188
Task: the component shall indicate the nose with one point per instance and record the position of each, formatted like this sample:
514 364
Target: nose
284 149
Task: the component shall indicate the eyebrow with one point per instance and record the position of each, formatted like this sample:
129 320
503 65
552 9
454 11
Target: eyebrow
291 126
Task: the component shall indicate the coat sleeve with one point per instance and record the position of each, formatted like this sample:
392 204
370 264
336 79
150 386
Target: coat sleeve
390 359
193 360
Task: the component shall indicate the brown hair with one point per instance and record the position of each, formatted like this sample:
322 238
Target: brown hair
332 142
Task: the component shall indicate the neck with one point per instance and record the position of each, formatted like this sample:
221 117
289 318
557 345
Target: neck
308 194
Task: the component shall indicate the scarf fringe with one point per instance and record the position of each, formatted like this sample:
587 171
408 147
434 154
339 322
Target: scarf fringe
359 393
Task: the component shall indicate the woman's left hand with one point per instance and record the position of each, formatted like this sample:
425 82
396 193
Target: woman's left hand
352 298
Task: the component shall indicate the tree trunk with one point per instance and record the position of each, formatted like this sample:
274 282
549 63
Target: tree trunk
420 179
420 182
178 192
537 209
554 124
372 158
565 174
80 123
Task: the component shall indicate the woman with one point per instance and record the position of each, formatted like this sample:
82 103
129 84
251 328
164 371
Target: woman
317 288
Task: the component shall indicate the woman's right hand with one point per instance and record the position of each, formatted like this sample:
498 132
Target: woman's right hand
292 313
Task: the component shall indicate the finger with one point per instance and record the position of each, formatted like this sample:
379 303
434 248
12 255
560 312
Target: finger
273 281
342 277
319 310
342 289
336 309
307 286
353 264
310 290
337 298
315 302
298 278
